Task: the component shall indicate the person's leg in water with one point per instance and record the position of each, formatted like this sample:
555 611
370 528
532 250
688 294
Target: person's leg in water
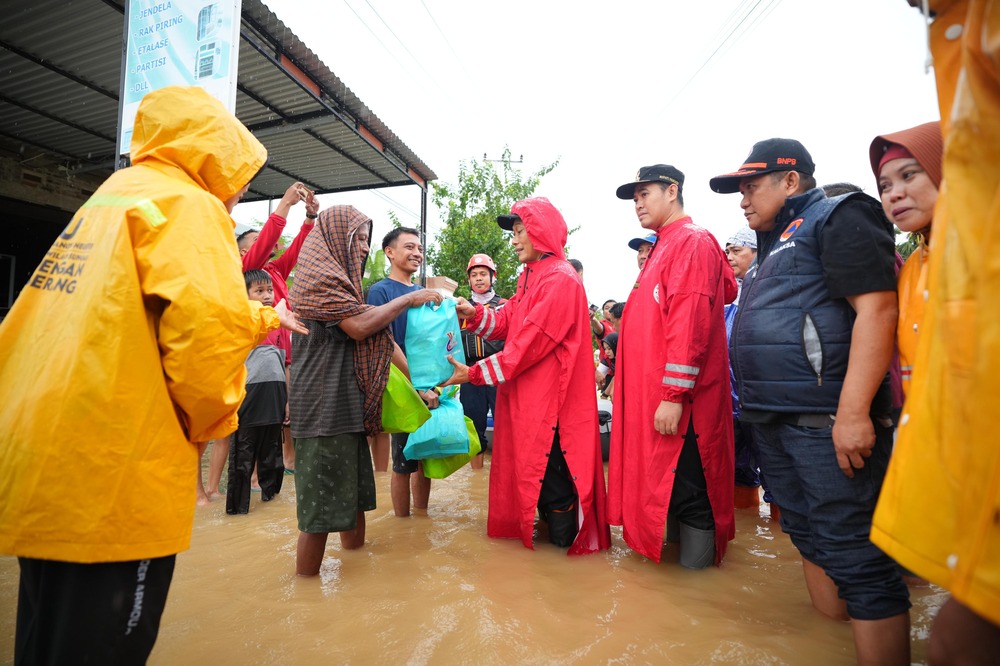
690 505
216 463
242 457
309 553
407 477
270 467
475 403
287 450
380 446
354 539
420 488
961 636
557 501
200 494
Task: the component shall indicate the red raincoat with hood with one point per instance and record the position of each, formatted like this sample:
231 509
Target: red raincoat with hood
545 376
672 346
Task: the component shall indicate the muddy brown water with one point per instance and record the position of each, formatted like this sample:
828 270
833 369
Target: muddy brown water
434 589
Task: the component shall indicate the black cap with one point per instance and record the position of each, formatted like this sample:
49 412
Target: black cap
658 173
767 156
507 220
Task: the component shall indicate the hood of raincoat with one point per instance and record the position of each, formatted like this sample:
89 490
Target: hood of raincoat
205 141
545 225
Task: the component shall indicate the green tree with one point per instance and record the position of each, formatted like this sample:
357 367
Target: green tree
469 211
909 244
376 268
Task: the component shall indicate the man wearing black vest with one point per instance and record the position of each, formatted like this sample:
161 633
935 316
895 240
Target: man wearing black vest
810 347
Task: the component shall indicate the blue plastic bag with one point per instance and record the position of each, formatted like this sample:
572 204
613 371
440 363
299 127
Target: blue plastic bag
432 334
442 468
444 434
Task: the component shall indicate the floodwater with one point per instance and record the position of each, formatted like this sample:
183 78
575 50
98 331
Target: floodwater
434 589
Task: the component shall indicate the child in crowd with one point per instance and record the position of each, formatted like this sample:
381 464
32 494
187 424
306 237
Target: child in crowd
257 250
610 346
258 438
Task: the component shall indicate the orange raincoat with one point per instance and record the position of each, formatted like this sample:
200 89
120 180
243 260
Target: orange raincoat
127 345
939 513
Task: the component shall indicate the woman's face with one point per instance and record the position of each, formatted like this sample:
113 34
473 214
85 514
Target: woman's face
608 351
908 194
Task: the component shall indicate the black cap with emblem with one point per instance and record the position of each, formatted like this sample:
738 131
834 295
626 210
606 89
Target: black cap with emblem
657 173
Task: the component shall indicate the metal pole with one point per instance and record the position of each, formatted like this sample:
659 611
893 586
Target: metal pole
119 162
423 232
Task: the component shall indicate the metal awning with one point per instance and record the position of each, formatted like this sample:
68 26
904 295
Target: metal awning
61 63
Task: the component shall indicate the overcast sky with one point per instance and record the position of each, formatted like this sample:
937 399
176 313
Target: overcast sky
608 87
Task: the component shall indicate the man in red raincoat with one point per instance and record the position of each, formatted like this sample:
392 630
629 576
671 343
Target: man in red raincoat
671 437
547 450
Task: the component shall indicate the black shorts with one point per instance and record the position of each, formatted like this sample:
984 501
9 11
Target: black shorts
400 464
103 613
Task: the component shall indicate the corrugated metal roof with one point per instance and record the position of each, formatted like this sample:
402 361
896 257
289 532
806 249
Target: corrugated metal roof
60 65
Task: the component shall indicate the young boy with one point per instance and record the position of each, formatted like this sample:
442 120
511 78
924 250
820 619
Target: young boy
258 438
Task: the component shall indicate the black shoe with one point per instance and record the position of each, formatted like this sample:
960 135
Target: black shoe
563 526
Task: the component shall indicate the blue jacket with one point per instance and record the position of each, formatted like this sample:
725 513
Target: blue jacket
791 341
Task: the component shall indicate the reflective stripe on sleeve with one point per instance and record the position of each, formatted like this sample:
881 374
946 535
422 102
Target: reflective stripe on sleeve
494 362
486 325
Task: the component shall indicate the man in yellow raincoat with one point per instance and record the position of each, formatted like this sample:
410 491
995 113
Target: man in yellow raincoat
124 349
939 513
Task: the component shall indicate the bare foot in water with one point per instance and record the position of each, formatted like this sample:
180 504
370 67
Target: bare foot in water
203 498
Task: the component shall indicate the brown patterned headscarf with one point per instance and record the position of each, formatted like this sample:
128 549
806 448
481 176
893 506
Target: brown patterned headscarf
327 287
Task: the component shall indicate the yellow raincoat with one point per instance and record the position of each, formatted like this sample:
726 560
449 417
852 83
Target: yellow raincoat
128 344
939 513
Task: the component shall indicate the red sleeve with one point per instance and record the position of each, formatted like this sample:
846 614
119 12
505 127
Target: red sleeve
547 325
260 251
686 313
286 262
492 323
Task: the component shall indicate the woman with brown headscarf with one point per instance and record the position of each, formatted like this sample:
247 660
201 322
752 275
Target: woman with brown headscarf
907 166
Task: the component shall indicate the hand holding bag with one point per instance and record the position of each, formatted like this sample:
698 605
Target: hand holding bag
402 408
432 334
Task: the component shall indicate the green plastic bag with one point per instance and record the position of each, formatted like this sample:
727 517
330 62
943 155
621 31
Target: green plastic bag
402 408
441 468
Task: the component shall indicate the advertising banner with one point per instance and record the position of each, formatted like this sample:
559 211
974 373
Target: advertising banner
178 42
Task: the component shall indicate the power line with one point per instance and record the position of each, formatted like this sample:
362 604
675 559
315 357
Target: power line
377 38
401 207
415 59
461 63
722 44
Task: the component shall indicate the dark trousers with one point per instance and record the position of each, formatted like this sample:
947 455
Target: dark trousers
247 446
104 613
746 461
558 490
477 401
689 499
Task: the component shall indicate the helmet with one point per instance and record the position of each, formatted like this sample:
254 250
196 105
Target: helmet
483 260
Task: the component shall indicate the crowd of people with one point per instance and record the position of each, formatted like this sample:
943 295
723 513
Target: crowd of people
787 358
